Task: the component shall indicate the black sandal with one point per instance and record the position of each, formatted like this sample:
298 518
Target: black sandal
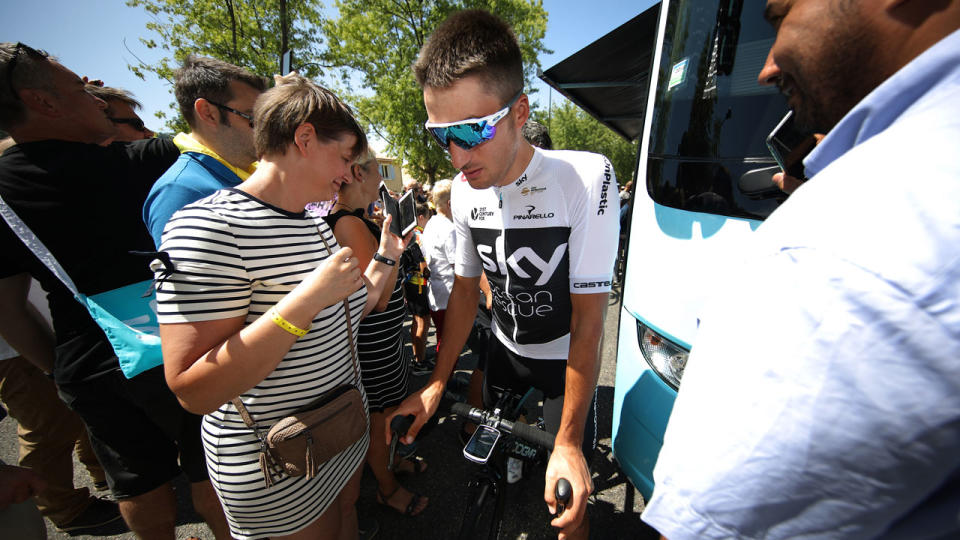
415 497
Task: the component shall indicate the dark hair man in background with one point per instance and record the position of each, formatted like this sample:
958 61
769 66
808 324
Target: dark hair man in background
216 99
537 134
822 395
122 110
83 202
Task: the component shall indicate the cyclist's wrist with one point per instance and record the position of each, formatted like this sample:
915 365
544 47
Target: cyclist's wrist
564 443
434 388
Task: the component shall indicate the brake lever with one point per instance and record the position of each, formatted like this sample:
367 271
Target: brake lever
563 490
398 427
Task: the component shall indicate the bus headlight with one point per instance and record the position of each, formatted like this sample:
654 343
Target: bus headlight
665 357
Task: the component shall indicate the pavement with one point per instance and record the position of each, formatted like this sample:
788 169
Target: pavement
614 509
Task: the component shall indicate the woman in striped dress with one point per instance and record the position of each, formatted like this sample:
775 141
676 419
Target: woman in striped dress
380 343
255 309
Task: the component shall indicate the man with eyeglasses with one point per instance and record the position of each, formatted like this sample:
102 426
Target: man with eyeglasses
121 110
216 99
83 201
542 226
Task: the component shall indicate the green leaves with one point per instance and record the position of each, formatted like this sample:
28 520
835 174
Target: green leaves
370 46
573 129
247 33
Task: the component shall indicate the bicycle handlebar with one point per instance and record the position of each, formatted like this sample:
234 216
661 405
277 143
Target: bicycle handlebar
562 490
518 429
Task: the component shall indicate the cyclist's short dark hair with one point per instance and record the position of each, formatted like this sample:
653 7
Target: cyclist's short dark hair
21 66
472 42
209 78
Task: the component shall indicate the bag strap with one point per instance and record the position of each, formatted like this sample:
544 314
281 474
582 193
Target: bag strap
346 312
245 414
35 245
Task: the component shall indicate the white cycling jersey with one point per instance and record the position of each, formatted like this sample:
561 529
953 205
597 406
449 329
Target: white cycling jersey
551 233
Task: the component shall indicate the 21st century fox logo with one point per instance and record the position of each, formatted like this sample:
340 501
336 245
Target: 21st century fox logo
479 214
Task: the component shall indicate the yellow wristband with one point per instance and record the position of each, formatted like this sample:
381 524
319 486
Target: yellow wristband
285 324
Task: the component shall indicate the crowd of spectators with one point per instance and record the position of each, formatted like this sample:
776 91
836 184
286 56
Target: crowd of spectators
263 305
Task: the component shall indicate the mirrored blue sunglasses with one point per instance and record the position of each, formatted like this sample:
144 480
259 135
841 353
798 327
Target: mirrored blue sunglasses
471 132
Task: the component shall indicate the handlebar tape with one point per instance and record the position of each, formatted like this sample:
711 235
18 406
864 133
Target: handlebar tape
532 434
400 424
465 410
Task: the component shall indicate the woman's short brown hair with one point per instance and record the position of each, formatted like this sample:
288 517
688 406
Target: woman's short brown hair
295 100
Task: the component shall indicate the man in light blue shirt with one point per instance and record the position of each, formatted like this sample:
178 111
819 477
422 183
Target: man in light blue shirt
216 99
830 408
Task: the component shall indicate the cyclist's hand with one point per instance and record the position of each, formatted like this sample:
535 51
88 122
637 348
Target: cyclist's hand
568 462
421 404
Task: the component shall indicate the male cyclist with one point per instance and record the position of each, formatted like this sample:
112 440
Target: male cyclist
543 227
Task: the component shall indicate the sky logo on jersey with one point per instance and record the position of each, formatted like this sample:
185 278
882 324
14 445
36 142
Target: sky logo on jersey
522 179
495 260
530 215
605 189
479 214
528 270
534 189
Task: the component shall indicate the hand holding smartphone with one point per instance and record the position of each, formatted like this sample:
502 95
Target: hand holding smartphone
789 144
404 212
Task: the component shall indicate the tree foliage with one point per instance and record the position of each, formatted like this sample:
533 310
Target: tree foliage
571 128
376 42
247 33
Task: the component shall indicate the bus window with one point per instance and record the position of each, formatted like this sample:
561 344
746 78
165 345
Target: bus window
712 117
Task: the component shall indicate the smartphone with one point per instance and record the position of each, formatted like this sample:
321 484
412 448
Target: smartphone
789 144
481 443
404 211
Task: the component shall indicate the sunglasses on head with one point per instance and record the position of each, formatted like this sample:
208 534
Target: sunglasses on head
135 123
245 116
18 50
471 132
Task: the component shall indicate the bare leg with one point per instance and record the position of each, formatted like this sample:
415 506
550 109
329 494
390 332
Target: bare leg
419 326
390 490
339 520
151 515
206 503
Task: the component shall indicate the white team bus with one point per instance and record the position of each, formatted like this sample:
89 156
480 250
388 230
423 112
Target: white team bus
688 88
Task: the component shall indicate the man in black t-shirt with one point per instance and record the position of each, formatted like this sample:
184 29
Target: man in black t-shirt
83 202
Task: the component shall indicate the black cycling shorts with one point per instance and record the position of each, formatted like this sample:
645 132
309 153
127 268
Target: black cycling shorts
506 369
138 430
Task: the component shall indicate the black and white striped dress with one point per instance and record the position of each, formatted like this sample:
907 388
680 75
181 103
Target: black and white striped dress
238 256
380 342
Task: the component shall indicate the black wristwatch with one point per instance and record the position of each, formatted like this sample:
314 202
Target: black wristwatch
384 260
